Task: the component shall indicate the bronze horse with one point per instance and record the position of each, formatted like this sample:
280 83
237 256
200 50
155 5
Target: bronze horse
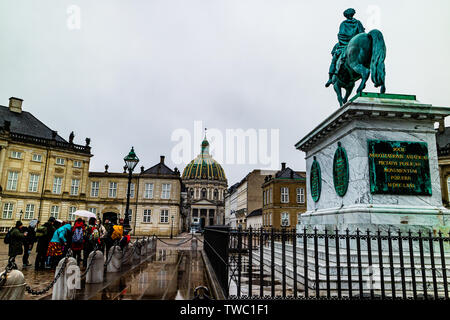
364 56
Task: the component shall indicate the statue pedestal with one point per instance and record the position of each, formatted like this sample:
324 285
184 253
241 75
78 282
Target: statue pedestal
385 174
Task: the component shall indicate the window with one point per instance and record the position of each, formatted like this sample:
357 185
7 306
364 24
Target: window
284 195
192 193
300 195
71 216
166 191
148 191
74 188
77 163
93 210
94 188
164 218
60 161
57 183
54 212
131 190
216 194
16 154
34 182
147 218
203 193
13 176
299 217
37 157
112 192
264 198
285 219
8 210
270 196
29 211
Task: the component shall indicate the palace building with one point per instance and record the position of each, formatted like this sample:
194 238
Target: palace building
41 173
44 175
284 198
205 183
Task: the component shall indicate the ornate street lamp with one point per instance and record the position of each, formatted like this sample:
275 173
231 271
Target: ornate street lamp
131 160
171 228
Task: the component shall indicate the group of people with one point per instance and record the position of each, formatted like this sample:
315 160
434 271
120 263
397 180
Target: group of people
54 238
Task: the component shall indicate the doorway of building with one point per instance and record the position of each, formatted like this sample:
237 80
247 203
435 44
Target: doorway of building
202 223
111 216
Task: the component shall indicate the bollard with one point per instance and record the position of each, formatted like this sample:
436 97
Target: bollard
127 255
136 251
143 249
114 261
194 244
63 289
14 287
95 272
150 246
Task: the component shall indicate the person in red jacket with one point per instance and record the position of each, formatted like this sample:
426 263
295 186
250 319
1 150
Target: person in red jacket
78 235
125 239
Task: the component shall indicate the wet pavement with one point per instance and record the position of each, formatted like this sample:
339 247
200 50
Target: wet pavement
172 273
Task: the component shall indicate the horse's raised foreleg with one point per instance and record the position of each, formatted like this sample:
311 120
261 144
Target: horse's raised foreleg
364 72
337 88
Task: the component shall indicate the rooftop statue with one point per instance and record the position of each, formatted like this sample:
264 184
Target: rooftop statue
356 56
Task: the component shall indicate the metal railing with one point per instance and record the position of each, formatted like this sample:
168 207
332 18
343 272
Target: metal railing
302 264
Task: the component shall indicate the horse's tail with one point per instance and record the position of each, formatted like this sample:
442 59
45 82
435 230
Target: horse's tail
378 55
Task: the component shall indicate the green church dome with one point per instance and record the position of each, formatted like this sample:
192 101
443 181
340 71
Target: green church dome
204 166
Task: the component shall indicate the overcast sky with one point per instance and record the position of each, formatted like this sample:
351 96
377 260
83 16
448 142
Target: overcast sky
137 70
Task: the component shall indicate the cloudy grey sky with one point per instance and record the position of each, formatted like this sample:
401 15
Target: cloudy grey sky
136 71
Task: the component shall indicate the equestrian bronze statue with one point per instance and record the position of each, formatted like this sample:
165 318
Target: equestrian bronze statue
356 56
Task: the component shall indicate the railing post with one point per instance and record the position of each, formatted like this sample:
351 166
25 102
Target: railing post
338 264
305 261
272 262
402 265
283 262
239 264
358 252
433 266
294 257
380 261
349 263
444 269
411 261
316 263
422 266
250 263
261 263
369 257
391 264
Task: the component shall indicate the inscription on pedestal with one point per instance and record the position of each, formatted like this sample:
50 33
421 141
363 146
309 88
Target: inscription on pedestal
399 167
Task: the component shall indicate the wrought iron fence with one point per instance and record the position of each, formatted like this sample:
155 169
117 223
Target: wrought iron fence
305 264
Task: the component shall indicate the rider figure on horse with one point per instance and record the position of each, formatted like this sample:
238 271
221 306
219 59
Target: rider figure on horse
347 30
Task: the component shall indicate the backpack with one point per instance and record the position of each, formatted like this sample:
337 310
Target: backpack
117 233
7 239
93 234
77 236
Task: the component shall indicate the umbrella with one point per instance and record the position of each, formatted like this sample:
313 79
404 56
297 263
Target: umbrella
84 213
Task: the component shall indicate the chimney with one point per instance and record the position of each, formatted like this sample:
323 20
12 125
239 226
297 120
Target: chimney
283 165
15 105
142 169
441 126
162 159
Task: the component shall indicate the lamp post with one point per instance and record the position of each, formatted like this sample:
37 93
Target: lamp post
171 228
131 160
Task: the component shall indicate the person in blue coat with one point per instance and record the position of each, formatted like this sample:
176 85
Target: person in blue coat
59 242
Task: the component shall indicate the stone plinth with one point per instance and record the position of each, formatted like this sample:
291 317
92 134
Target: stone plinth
383 118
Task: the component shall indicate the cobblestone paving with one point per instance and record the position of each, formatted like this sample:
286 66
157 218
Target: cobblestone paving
40 279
